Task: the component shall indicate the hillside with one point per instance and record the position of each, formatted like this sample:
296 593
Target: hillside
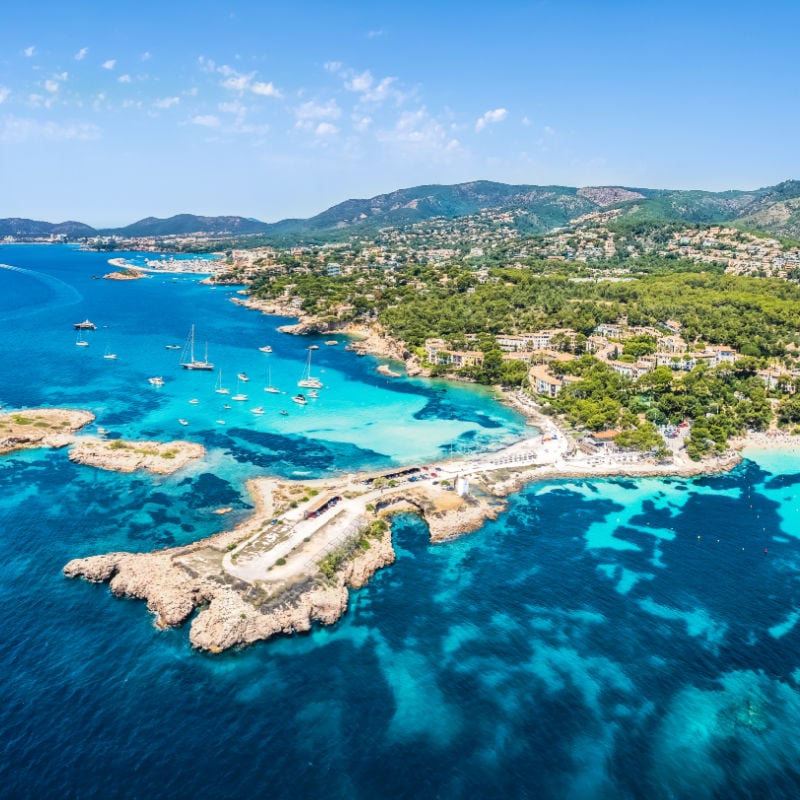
535 209
711 207
182 224
24 228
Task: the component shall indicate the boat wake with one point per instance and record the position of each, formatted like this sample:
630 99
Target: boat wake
64 294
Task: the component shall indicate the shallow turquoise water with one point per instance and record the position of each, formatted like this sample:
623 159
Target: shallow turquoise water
602 639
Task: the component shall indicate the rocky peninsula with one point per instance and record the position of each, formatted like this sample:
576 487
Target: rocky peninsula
291 564
160 458
40 427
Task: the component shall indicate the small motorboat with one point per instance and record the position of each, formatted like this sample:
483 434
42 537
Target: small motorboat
157 381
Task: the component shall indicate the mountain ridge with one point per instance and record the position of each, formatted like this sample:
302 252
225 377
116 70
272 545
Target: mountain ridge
775 209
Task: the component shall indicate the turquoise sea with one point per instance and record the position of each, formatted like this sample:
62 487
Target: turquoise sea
602 639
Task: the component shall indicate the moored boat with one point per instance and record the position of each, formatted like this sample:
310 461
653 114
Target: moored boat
157 381
86 325
219 388
188 360
269 387
300 399
308 381
265 349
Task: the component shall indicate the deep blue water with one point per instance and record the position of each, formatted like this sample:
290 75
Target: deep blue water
602 639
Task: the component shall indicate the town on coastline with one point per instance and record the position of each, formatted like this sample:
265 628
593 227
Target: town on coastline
633 348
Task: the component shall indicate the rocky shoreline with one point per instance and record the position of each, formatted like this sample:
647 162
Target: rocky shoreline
159 458
177 581
40 427
371 340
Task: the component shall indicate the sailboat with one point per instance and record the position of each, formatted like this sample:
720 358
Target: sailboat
308 381
80 341
219 388
188 361
271 389
109 355
239 395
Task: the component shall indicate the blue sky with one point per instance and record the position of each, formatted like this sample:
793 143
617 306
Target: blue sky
109 113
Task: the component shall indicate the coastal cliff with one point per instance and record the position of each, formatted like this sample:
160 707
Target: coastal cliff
232 615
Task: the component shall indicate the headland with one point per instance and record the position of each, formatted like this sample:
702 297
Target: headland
290 565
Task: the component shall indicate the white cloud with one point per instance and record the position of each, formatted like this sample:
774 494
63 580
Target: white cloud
490 118
361 123
326 129
265 89
333 66
236 81
51 86
4 93
233 108
371 90
360 82
110 64
420 133
146 56
81 54
526 121
29 51
166 102
125 78
17 130
374 34
549 131
313 110
206 121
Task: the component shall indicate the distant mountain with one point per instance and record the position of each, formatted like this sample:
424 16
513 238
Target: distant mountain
750 208
31 228
189 224
547 206
537 209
